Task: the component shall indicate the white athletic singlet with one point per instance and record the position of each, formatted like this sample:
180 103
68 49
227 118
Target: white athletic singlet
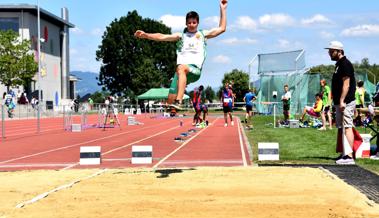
191 49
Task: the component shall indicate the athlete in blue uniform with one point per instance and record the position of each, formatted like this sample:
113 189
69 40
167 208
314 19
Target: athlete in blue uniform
248 99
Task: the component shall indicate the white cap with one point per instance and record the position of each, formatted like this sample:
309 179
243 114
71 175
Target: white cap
335 45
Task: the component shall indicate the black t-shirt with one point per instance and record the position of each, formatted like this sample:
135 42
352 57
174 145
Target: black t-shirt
343 68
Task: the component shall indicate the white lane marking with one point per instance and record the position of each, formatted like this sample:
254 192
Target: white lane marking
69 185
35 165
77 144
177 149
138 141
202 162
241 143
124 146
248 146
117 159
70 166
33 132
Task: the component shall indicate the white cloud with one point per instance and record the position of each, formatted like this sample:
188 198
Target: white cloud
85 64
177 23
221 59
362 30
276 20
326 35
245 23
236 41
211 22
283 43
77 31
316 20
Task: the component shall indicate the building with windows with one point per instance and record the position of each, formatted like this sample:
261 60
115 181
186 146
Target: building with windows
57 86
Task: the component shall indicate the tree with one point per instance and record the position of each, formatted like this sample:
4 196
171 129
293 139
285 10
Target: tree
365 63
240 82
17 64
326 71
209 94
132 66
99 97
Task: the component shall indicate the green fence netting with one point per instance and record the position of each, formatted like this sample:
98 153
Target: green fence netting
303 87
280 68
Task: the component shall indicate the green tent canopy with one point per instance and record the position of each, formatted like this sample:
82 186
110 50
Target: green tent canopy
156 94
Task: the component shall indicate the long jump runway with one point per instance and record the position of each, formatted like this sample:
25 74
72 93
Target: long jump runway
215 145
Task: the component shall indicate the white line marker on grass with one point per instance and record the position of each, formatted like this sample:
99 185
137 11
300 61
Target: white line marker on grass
241 143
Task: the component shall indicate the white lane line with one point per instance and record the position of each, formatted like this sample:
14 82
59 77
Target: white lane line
248 146
69 185
35 165
31 132
138 141
77 144
241 143
70 166
202 162
116 159
124 146
121 159
177 149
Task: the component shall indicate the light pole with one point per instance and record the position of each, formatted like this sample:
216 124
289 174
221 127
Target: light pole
39 66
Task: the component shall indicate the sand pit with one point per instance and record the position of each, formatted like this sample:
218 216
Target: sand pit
202 192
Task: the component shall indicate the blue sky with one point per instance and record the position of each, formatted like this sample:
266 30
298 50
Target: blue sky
252 27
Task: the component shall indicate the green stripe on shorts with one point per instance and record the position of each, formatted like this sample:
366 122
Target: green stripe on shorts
192 76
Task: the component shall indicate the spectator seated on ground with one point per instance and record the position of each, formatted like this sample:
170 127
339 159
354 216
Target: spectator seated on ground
314 111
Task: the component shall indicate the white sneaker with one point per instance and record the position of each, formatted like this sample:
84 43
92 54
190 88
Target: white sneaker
232 123
345 160
225 125
322 129
375 157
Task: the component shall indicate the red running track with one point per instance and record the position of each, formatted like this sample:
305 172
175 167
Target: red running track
57 149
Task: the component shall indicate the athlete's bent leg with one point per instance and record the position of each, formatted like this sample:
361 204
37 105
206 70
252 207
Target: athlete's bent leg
171 98
182 71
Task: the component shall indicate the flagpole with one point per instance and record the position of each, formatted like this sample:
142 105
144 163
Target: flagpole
39 66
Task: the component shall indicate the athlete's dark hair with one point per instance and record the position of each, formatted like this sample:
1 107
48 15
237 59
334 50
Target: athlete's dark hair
201 88
192 15
360 83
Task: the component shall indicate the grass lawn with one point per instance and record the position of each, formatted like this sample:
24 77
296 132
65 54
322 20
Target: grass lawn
300 146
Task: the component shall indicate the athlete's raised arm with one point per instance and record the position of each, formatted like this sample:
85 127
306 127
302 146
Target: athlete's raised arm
222 26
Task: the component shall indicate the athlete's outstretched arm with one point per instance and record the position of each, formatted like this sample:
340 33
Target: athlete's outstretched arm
157 36
222 26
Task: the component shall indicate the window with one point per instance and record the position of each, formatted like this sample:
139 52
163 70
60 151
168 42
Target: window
51 46
9 23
